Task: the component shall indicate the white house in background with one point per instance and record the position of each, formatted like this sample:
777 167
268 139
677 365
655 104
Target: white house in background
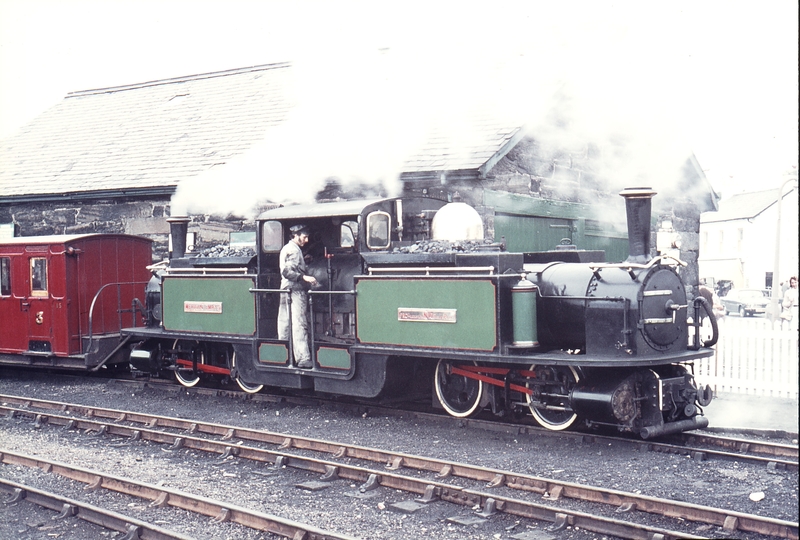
737 242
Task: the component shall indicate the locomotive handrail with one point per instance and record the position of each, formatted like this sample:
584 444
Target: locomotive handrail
204 270
434 269
627 265
286 291
90 335
611 298
160 265
440 270
310 306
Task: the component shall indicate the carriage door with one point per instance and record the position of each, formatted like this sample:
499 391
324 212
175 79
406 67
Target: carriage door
37 304
13 333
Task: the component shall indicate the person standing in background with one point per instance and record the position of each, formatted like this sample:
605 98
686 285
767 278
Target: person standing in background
789 303
294 277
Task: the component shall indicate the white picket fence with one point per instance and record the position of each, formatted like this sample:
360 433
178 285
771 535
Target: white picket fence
753 356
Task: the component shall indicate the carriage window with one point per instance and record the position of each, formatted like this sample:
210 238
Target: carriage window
5 276
348 234
38 276
271 236
378 230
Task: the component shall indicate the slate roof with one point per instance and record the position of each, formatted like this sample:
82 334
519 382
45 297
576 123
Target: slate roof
742 206
149 136
477 148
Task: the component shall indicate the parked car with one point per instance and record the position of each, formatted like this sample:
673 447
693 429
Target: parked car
746 302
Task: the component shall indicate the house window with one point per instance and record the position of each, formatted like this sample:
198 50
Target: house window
5 276
739 240
38 276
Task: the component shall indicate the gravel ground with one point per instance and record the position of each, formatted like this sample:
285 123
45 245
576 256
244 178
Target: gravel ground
721 484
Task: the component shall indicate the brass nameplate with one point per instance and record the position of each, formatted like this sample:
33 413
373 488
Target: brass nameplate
426 315
202 307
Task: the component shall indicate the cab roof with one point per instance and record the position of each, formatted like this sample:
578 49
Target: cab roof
61 238
316 210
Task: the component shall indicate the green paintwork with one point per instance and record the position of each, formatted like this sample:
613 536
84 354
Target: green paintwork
529 224
532 233
270 353
474 301
233 293
328 357
523 308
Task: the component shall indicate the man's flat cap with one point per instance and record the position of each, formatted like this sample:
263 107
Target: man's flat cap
297 229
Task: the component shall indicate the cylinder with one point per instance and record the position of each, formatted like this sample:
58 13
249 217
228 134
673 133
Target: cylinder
523 308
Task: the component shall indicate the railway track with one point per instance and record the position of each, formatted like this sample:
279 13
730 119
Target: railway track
698 445
426 480
157 496
107 520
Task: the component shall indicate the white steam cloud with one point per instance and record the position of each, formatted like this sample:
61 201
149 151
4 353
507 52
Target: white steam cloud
363 110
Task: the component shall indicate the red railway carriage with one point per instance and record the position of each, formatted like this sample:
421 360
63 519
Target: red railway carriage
63 298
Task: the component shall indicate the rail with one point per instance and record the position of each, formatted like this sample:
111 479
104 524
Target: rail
395 473
206 271
663 260
165 268
434 269
103 517
163 496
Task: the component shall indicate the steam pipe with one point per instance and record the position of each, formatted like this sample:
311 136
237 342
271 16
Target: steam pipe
638 207
696 422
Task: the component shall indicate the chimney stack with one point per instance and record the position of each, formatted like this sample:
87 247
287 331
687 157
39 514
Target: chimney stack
638 205
178 228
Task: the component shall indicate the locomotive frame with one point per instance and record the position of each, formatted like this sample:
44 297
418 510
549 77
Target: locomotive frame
605 343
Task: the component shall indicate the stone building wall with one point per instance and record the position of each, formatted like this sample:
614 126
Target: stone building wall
541 171
531 168
138 216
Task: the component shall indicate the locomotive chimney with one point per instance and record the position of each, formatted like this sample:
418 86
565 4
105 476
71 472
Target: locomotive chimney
637 208
178 227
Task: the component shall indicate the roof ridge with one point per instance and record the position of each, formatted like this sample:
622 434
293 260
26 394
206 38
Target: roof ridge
751 193
185 78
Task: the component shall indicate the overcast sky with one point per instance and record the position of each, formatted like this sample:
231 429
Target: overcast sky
718 77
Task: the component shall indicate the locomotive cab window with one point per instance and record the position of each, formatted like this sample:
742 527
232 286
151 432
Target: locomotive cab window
272 236
378 230
5 276
348 233
38 276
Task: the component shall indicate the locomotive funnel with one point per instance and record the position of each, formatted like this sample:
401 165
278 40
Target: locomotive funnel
178 227
637 208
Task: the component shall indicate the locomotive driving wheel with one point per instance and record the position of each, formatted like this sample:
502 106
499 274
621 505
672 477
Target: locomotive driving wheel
459 395
549 403
246 387
186 375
